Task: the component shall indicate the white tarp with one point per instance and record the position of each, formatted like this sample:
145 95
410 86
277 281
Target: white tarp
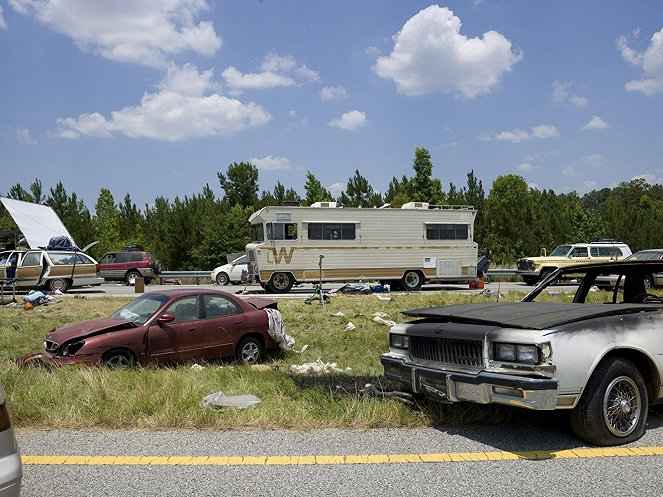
38 223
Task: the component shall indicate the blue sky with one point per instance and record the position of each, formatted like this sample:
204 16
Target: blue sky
155 97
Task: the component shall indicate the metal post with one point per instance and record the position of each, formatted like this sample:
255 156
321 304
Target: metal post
322 299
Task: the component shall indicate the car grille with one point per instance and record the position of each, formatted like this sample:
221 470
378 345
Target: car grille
447 350
51 346
525 265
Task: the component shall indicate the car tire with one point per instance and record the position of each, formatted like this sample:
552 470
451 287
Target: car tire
130 278
157 267
530 280
119 359
281 282
649 282
544 273
249 350
613 407
60 284
412 281
222 279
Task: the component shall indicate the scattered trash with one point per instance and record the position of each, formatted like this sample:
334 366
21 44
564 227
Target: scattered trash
404 397
303 349
16 326
317 367
197 367
594 288
277 330
381 320
27 306
350 326
260 367
490 294
386 299
172 281
353 289
220 400
79 296
338 314
57 292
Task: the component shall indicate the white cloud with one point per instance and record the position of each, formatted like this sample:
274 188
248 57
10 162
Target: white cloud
336 188
561 95
24 136
3 23
592 159
329 93
526 167
146 32
588 185
350 121
569 171
184 107
431 55
596 123
270 163
276 70
651 62
540 132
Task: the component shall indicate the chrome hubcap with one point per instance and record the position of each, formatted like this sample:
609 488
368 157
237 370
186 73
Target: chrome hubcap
621 406
250 352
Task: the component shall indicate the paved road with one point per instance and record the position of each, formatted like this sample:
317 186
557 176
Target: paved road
305 290
541 458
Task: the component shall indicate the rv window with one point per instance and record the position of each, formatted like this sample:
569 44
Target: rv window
281 231
257 232
331 231
447 231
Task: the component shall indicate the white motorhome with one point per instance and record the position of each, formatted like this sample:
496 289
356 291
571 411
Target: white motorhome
404 247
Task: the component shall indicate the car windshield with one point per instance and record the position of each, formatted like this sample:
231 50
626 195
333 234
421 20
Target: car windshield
644 256
561 251
141 309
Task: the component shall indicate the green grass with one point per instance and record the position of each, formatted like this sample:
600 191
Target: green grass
163 397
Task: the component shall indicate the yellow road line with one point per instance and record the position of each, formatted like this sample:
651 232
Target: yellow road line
341 459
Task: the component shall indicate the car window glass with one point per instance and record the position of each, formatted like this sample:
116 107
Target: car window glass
122 258
107 259
136 257
184 309
141 309
580 252
218 306
62 258
83 259
31 259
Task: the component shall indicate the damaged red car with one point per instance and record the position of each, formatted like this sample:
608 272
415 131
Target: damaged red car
166 327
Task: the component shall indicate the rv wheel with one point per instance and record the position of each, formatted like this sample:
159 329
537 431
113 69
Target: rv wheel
411 281
281 282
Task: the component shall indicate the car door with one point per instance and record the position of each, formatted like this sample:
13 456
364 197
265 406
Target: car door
236 269
179 340
29 270
224 321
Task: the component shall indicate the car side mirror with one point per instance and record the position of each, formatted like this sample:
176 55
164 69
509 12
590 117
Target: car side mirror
165 319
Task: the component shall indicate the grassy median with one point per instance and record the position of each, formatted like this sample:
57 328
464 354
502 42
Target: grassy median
164 397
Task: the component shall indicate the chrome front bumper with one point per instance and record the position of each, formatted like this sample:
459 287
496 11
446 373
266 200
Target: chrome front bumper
482 388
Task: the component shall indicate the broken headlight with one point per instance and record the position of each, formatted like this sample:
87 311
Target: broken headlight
72 348
513 352
399 341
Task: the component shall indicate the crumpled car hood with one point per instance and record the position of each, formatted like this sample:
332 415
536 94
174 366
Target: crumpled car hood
527 315
82 329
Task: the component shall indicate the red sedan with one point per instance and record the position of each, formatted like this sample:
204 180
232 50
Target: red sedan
166 327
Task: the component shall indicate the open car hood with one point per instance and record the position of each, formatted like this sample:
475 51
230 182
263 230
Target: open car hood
84 329
261 303
527 315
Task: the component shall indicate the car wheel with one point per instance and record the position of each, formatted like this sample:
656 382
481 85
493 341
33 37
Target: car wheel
130 278
613 407
544 273
281 283
411 281
530 280
249 350
119 359
222 279
157 267
649 282
58 284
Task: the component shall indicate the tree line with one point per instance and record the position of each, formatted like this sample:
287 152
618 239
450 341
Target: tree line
195 233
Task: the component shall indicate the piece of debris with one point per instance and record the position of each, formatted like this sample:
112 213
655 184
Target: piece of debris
383 298
277 330
303 349
404 397
317 367
172 281
220 400
381 320
353 289
16 326
338 314
350 326
197 367
260 367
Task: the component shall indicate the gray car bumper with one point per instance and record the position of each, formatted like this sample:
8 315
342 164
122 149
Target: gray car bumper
10 475
482 388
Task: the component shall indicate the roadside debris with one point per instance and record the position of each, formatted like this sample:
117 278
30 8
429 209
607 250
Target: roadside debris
261 367
277 330
379 317
317 367
338 314
219 400
404 397
353 289
350 326
385 299
197 367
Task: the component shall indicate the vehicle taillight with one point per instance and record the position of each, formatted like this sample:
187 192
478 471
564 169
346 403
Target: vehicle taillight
96 266
5 422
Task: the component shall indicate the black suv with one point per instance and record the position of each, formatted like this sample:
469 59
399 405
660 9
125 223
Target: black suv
127 265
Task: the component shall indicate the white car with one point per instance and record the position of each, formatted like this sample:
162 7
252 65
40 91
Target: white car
10 458
234 272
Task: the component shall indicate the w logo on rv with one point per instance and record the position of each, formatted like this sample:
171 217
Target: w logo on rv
283 254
